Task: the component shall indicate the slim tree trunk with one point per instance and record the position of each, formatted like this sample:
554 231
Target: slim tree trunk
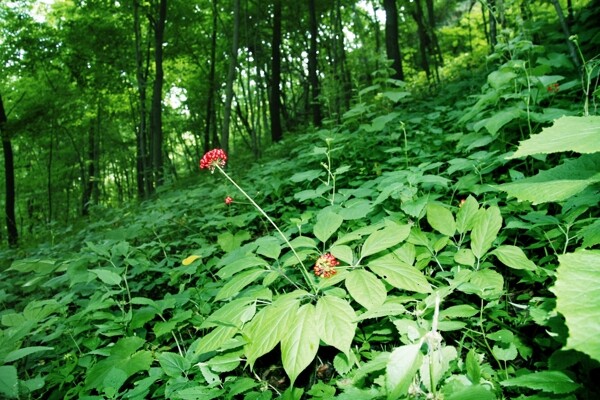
493 25
9 178
275 103
392 47
156 139
141 131
212 86
423 38
567 33
313 78
231 76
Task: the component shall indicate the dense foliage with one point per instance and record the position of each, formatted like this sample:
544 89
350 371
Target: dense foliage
428 240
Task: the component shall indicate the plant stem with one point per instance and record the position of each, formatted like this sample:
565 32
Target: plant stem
303 269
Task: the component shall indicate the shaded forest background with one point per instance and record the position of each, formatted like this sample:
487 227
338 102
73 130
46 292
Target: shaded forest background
106 101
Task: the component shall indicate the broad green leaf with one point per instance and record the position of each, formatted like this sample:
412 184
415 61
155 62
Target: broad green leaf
40 267
365 288
239 282
230 314
383 239
395 96
590 234
487 284
389 308
399 274
300 344
513 257
499 119
460 311
335 322
9 383
435 364
505 351
309 175
269 326
556 382
577 291
269 247
327 223
465 257
475 392
441 219
343 253
401 368
173 364
229 242
485 230
473 367
24 352
106 276
465 216
578 134
355 209
558 183
215 339
501 78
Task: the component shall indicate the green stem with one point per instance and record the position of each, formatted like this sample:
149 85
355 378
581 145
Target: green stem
303 269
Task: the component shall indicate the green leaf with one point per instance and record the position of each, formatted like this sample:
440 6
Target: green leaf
24 352
513 257
365 288
327 223
335 322
230 314
401 368
299 346
499 119
269 326
173 364
465 257
465 216
501 78
578 134
215 339
487 284
590 234
473 367
343 253
399 274
229 242
238 282
441 219
241 264
40 267
389 308
106 276
556 382
577 291
485 230
558 183
309 175
385 238
9 383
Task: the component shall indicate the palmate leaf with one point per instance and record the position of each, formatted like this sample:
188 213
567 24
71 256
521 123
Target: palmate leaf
578 134
577 291
558 183
299 346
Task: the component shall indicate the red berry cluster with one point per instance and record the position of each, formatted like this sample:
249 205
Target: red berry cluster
325 265
554 88
213 158
228 200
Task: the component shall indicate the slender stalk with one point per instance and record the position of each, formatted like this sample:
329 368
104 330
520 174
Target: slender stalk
303 269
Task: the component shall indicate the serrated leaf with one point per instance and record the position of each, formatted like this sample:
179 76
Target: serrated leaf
385 238
441 219
327 223
590 234
335 322
485 230
556 382
365 288
239 282
578 134
299 346
577 291
173 364
106 276
558 183
473 367
399 274
401 368
268 327
513 257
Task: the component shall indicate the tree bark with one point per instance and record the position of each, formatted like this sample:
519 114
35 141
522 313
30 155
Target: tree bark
156 139
313 78
231 76
566 31
275 101
141 131
423 38
9 178
392 46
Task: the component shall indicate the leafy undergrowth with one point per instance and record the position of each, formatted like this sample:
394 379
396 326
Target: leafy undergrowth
416 255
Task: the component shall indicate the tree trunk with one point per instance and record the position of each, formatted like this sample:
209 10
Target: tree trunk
493 25
9 178
141 131
435 44
392 47
212 86
313 78
156 139
275 103
566 31
423 38
231 76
